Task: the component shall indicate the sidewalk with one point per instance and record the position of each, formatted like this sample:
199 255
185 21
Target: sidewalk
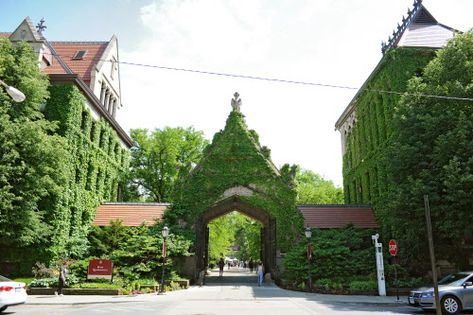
269 291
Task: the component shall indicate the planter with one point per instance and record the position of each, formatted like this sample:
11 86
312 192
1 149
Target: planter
73 291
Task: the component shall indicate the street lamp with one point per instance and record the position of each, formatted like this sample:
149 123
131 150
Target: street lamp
308 235
15 94
165 233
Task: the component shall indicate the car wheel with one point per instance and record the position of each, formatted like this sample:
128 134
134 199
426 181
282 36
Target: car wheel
450 305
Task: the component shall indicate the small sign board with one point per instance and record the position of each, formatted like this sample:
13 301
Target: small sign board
393 247
100 268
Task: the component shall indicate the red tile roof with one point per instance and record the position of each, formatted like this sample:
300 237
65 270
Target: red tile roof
132 214
337 216
82 67
4 35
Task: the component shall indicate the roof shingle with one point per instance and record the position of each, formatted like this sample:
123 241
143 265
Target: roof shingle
82 67
338 216
131 214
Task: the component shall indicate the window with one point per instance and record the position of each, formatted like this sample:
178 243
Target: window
79 55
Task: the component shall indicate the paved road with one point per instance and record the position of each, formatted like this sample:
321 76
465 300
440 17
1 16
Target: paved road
220 296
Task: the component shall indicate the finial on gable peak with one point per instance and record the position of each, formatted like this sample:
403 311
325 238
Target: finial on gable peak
40 27
236 102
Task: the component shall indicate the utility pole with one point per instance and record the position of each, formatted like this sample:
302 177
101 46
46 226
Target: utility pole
432 254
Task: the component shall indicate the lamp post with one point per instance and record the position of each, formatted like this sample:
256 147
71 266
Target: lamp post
165 233
15 94
308 235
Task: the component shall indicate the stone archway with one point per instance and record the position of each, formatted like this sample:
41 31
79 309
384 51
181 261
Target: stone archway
228 205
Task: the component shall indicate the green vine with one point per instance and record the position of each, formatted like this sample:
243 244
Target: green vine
364 171
94 167
235 158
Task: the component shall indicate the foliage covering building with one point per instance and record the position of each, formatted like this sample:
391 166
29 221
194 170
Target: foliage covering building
84 97
392 143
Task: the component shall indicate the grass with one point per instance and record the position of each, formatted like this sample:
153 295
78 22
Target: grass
25 280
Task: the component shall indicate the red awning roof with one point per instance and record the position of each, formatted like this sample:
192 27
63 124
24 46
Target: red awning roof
131 214
337 216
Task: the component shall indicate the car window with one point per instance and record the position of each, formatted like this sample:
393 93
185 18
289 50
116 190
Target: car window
453 277
2 278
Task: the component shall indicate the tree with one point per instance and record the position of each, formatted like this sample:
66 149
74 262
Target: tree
431 153
31 155
313 189
161 158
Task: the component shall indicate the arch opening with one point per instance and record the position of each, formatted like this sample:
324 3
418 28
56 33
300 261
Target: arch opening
235 204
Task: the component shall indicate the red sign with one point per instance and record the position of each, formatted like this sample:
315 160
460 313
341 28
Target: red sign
393 247
100 268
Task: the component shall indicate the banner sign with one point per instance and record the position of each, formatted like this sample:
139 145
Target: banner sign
100 268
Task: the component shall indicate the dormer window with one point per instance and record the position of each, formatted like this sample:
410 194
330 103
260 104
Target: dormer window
79 55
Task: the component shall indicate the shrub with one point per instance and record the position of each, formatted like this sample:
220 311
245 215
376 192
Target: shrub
44 283
364 285
41 271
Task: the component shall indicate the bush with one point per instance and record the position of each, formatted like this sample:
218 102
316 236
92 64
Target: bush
364 285
41 271
96 285
44 283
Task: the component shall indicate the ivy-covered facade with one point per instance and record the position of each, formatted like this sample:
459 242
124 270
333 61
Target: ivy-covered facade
84 95
365 125
236 174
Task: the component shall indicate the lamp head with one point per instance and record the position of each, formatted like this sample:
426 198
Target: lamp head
308 232
165 231
15 94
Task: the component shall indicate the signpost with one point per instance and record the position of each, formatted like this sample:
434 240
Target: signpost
378 247
393 251
100 268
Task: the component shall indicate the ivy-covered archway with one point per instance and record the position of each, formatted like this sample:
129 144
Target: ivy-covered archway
236 173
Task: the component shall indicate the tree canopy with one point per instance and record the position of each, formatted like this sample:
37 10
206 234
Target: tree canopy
161 157
432 153
313 189
31 156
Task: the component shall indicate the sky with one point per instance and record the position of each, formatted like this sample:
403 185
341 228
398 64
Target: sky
329 42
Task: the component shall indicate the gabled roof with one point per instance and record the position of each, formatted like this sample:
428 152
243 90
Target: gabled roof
29 32
419 29
131 214
338 216
4 34
82 67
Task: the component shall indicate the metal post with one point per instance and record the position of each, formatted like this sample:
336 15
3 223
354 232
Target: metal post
395 279
432 254
164 261
309 260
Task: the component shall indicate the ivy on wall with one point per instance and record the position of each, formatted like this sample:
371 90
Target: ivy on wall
93 168
364 171
235 158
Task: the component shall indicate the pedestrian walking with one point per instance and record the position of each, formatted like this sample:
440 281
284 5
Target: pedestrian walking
260 273
221 264
62 279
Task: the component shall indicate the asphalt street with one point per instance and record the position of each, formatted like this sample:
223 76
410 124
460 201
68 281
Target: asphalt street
227 296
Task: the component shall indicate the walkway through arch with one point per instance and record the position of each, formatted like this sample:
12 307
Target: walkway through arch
268 239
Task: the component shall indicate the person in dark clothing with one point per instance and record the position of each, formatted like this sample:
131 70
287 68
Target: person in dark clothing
62 280
221 264
251 265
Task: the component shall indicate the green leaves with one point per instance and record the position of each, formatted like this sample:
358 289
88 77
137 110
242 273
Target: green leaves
434 140
161 158
313 189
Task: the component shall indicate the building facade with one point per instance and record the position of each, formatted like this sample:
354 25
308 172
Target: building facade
365 125
84 99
